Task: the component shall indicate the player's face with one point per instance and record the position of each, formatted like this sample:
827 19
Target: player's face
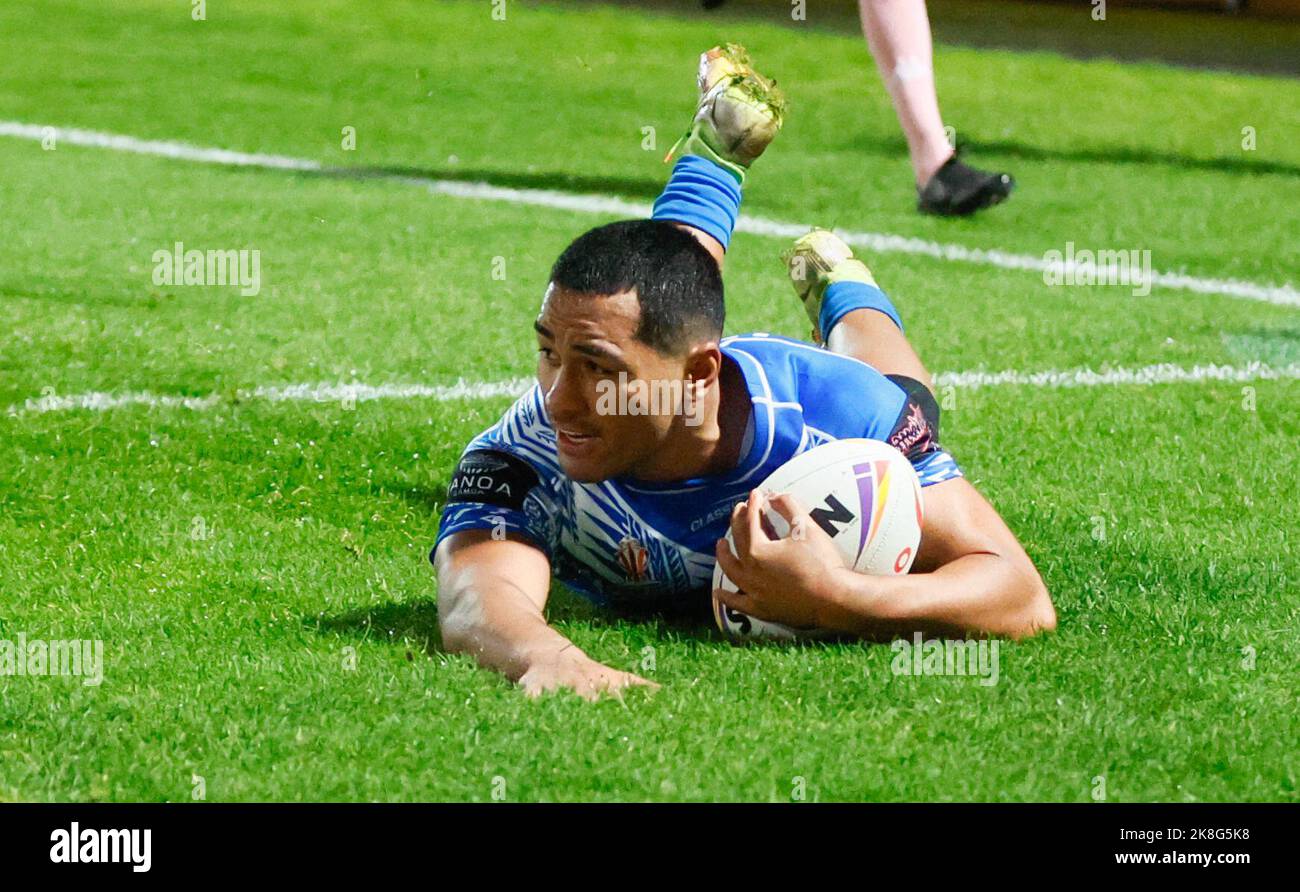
591 366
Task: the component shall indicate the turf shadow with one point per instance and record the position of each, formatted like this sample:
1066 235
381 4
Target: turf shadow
631 187
895 147
417 622
648 189
429 498
392 622
91 297
1121 155
1275 346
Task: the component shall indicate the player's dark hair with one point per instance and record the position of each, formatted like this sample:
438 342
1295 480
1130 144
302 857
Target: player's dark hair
676 280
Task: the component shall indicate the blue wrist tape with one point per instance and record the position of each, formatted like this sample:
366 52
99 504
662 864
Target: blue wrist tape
844 297
700 194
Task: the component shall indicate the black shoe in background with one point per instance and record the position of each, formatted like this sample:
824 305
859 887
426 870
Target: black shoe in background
956 190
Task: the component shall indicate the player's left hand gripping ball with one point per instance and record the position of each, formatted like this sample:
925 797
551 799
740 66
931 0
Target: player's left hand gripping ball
864 501
778 575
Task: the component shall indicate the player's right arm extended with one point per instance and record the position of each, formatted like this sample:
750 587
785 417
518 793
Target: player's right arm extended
491 597
491 594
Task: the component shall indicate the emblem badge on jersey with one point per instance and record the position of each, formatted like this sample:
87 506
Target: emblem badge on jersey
633 558
914 433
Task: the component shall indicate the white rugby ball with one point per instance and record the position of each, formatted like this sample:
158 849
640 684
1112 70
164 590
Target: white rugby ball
865 495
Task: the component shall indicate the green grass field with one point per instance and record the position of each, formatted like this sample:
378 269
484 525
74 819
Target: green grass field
291 651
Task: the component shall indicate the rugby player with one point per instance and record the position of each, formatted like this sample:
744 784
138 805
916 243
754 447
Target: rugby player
629 509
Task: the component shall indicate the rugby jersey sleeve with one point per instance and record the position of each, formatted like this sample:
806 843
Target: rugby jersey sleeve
500 481
846 397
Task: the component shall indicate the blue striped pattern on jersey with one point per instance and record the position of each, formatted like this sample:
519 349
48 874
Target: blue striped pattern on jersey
636 543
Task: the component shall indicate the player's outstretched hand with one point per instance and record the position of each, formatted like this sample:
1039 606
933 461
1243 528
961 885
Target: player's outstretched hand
572 669
790 580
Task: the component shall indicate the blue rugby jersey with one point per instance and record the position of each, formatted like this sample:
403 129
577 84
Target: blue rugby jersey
629 543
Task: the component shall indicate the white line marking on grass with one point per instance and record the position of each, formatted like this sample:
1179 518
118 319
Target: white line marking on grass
1164 373
99 401
883 243
163 148
364 393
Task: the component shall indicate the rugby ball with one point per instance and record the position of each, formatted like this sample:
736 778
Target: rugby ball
864 494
